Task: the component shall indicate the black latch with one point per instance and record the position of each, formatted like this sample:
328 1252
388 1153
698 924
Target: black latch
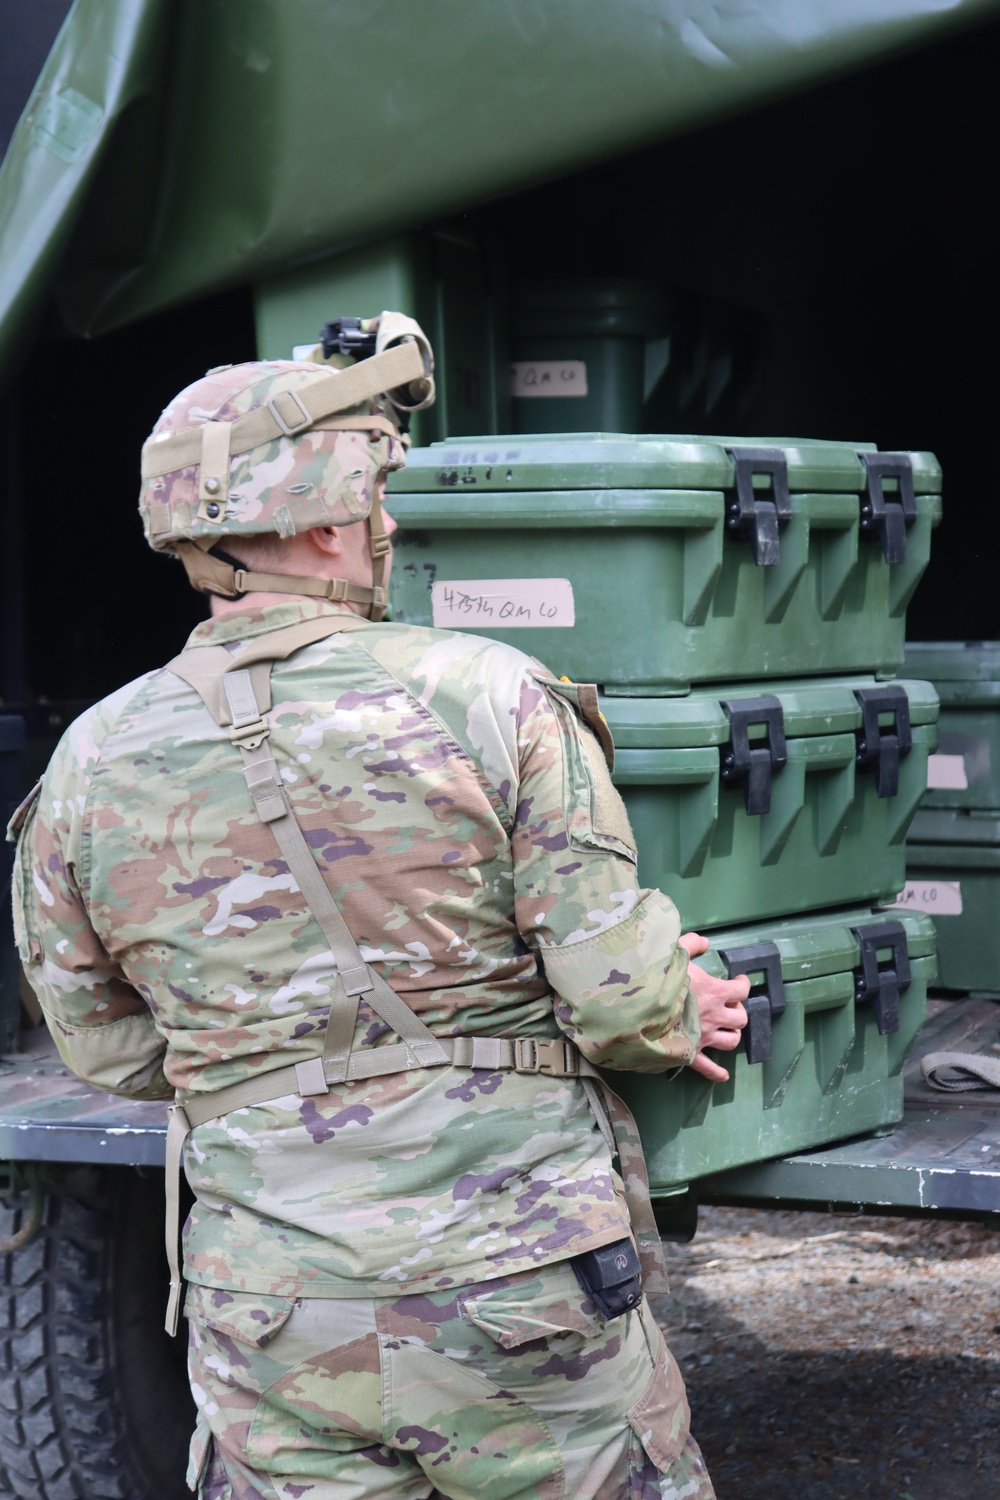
754 762
757 514
880 747
346 336
880 985
765 1006
888 515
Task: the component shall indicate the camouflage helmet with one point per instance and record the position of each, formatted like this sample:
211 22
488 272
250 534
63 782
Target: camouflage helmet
281 446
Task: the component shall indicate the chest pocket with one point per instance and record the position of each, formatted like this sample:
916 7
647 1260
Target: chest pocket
596 813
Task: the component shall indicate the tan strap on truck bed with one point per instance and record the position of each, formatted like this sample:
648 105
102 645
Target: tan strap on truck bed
961 1072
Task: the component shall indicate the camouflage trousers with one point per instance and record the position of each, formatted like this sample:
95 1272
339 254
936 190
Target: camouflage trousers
512 1389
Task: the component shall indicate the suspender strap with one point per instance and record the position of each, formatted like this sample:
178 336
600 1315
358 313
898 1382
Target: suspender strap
203 667
354 976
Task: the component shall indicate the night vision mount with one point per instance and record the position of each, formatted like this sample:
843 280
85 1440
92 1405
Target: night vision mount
347 336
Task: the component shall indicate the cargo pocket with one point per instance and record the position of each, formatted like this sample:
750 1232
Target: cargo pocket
543 1307
249 1317
661 1418
205 1474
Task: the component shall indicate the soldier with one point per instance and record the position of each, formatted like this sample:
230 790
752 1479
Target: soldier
379 968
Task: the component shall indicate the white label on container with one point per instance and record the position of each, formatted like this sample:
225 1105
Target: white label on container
942 898
946 773
548 377
503 603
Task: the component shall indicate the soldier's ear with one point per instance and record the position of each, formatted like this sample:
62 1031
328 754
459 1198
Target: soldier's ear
326 539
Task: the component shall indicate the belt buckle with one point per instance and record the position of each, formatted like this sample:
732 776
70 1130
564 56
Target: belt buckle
549 1055
526 1059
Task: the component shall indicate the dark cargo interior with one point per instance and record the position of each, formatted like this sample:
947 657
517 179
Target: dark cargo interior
841 239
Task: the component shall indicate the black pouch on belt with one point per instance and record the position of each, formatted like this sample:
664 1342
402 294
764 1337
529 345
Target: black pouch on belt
610 1275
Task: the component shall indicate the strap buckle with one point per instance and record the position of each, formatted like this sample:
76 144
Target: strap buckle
381 545
552 1056
290 429
250 736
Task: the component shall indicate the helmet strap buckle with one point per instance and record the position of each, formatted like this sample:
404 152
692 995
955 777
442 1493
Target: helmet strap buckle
289 428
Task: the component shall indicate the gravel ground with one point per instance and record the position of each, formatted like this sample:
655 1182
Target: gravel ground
830 1357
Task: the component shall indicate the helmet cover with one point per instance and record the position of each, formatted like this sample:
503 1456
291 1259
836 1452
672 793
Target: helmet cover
322 475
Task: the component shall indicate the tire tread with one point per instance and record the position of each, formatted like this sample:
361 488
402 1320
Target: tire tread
62 1431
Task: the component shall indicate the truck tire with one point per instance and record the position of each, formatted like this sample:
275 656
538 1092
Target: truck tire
94 1402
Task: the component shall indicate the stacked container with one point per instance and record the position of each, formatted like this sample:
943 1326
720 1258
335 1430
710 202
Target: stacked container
953 853
740 604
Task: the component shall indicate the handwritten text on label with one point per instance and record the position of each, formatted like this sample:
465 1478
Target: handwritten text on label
942 898
548 377
502 603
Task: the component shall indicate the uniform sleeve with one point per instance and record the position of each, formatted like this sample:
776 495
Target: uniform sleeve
102 1027
609 947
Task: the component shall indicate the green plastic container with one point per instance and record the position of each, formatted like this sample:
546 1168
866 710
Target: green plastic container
953 872
647 563
966 770
454 288
755 800
817 1063
584 352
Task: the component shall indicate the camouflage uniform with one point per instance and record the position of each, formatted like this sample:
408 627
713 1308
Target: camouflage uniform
509 1388
386 1233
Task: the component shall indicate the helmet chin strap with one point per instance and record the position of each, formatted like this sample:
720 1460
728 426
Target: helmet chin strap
216 573
380 548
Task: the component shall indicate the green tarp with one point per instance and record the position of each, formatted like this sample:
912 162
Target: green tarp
172 147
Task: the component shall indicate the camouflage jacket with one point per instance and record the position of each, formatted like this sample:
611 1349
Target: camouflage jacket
464 819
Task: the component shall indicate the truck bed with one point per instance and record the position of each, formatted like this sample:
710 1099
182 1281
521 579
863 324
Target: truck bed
943 1158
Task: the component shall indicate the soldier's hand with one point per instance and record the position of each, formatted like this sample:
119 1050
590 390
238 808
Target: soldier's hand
720 1004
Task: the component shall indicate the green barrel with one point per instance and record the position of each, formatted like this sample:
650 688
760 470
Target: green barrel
585 353
837 999
966 674
757 800
647 563
953 872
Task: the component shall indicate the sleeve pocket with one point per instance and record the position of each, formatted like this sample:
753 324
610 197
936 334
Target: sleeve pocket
22 812
595 812
29 948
